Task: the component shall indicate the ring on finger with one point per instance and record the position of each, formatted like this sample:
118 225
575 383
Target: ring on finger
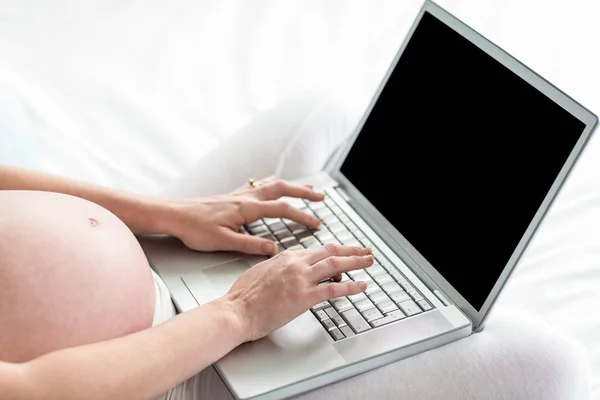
252 183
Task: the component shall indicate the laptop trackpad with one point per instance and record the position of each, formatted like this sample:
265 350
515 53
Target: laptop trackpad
211 283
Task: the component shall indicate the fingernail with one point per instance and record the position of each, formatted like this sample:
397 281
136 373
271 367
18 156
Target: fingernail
369 250
368 258
320 195
269 247
362 285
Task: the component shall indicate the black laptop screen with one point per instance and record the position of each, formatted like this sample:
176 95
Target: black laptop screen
458 154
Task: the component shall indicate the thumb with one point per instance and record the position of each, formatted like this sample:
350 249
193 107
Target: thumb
249 244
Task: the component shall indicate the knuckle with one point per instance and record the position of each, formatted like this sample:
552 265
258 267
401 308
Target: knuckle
332 291
333 261
332 248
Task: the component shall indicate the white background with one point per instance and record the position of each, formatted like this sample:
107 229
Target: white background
130 93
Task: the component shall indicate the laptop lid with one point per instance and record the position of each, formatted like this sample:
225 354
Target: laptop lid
459 157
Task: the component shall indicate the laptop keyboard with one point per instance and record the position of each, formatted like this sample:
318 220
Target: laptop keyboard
389 295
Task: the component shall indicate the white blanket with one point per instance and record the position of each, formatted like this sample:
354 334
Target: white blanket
130 93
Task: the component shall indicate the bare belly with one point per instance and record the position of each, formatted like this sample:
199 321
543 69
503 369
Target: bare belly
71 273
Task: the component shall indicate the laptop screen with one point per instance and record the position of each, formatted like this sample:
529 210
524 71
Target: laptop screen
458 153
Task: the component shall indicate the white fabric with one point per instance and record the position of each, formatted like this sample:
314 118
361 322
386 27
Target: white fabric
131 93
521 357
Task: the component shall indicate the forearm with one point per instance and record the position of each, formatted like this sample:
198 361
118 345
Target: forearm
142 214
139 366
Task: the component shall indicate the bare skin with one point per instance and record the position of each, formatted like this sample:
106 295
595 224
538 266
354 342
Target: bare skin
71 273
77 295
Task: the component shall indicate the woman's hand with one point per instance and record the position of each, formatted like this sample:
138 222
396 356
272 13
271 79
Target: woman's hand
273 292
213 223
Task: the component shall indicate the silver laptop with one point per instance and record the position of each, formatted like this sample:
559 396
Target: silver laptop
447 177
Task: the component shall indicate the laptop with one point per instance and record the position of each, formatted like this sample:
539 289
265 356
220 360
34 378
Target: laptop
451 170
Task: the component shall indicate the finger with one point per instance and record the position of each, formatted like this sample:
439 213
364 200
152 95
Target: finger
278 188
331 249
234 241
331 266
332 290
282 209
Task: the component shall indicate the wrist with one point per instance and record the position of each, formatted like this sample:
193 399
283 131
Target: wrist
234 318
155 216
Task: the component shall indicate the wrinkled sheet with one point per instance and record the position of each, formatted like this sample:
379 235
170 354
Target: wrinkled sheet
130 93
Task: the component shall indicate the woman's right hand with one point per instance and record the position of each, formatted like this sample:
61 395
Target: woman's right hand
274 292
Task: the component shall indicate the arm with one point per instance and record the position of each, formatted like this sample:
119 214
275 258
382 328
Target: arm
142 365
139 213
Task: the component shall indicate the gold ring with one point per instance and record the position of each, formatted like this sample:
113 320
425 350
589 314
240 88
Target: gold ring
252 183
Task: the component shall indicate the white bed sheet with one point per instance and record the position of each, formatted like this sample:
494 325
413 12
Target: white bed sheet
130 93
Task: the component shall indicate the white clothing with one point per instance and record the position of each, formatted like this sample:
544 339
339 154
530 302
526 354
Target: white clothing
517 356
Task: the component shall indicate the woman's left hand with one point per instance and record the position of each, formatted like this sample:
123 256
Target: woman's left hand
213 223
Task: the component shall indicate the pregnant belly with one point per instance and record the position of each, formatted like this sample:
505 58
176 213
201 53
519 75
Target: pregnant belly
71 273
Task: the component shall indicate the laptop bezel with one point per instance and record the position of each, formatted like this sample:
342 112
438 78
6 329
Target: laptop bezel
422 268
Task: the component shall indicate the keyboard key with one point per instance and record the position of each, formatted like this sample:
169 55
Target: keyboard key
344 236
345 278
331 240
323 212
360 276
291 243
347 331
315 205
409 307
374 270
407 286
387 306
371 287
277 225
254 224
321 315
341 304
355 321
371 314
331 312
329 202
396 314
321 305
363 304
356 272
282 234
280 248
338 227
257 230
415 295
328 324
355 297
336 210
352 242
310 243
303 235
330 220
323 235
386 320
383 278
268 235
399 296
339 321
424 305
344 218
378 296
391 287
336 334
295 227
295 202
